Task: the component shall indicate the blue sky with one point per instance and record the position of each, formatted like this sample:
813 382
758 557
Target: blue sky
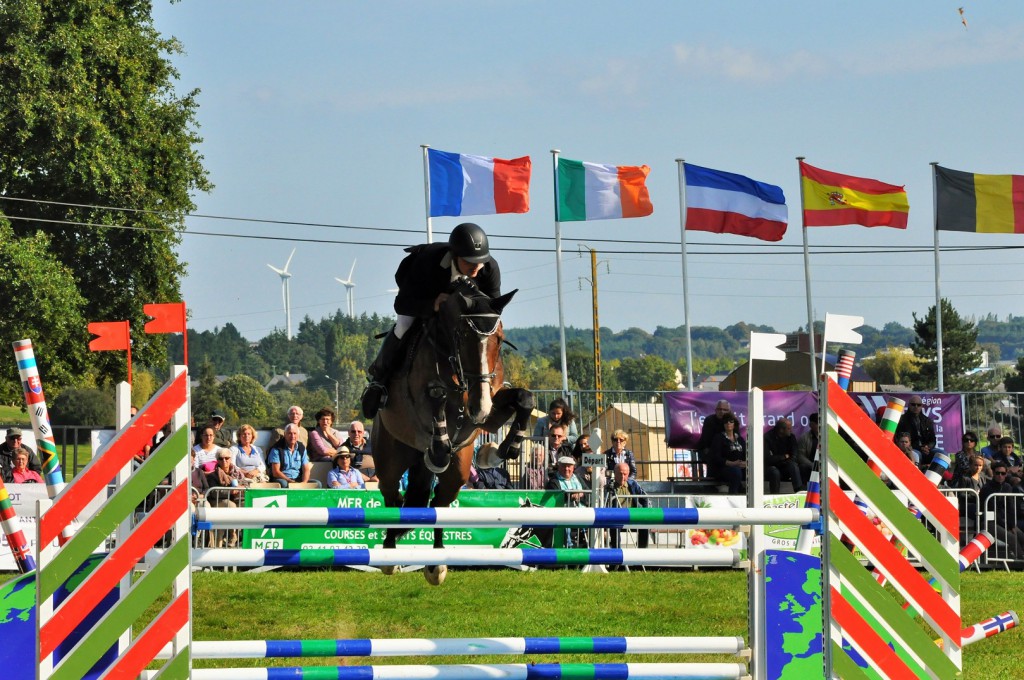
315 112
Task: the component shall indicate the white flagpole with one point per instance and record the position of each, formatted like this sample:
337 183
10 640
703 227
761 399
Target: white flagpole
426 190
938 295
558 277
807 281
686 291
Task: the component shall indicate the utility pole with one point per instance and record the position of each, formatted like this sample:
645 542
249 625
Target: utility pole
597 327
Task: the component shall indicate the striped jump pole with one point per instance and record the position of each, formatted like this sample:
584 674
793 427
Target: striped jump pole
865 621
16 540
989 628
599 518
540 671
467 557
276 649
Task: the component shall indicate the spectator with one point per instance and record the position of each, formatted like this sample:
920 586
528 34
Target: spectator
919 426
727 461
558 414
975 480
566 481
249 457
490 471
12 442
780 458
962 464
618 453
294 416
1006 456
324 440
535 474
903 442
581 446
207 451
288 462
1001 520
558 445
994 434
20 473
222 436
362 454
626 492
807 444
712 425
343 475
224 481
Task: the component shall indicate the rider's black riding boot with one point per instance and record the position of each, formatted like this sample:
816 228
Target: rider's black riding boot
375 396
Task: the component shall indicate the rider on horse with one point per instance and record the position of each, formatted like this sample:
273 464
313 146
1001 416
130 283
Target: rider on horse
423 278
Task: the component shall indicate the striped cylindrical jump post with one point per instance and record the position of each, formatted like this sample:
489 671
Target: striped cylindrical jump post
989 627
597 671
467 557
598 518
844 367
275 649
35 401
16 540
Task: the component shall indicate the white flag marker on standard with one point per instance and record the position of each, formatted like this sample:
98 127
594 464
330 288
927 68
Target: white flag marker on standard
841 328
764 346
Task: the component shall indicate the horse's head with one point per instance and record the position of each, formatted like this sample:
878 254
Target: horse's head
471 322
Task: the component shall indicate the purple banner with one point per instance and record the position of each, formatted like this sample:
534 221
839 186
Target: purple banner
946 412
685 413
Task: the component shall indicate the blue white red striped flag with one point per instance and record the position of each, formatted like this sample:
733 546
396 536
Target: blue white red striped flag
461 184
727 203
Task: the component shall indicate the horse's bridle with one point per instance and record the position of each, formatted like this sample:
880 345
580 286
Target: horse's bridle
462 377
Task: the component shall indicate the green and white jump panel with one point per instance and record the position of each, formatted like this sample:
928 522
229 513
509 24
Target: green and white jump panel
868 634
168 577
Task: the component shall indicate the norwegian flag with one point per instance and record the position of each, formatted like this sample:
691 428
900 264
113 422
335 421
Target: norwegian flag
997 624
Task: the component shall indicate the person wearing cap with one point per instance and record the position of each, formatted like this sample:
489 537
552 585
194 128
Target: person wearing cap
423 279
7 449
222 436
343 475
566 481
491 474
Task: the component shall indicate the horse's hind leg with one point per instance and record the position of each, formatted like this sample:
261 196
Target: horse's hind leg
515 403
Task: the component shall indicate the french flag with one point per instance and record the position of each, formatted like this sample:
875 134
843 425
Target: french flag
461 184
727 203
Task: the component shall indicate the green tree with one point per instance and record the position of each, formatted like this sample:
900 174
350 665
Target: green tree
1015 381
90 118
85 406
206 397
647 374
960 351
40 303
893 366
248 402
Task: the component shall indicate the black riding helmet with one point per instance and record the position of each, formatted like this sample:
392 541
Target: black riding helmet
469 242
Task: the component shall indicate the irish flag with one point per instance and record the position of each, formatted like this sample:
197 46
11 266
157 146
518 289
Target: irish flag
593 191
461 184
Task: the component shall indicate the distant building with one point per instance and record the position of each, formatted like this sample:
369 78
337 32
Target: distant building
286 379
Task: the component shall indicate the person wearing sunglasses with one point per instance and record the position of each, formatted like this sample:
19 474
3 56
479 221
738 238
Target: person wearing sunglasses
618 453
1002 519
963 460
917 423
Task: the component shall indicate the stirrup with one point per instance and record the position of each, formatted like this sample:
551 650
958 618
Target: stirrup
374 398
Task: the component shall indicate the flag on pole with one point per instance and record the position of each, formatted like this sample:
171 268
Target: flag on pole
168 317
985 204
765 346
461 184
593 191
727 203
831 199
842 328
110 336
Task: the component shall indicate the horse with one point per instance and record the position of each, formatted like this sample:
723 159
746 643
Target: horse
452 389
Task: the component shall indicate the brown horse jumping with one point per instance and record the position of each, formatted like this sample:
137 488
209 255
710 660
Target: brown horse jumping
453 389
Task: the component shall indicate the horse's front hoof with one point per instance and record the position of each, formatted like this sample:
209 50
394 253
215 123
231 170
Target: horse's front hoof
511 447
435 575
437 463
389 570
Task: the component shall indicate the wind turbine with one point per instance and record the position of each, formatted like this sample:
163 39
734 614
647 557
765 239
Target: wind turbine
286 293
349 285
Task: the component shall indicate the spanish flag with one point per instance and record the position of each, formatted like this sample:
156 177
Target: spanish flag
831 199
985 204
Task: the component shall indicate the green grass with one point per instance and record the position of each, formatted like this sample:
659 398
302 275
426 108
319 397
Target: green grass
13 415
499 603
317 604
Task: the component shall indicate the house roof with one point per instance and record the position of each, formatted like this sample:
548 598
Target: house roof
647 414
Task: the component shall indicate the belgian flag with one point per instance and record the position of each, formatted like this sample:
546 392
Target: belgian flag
985 204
